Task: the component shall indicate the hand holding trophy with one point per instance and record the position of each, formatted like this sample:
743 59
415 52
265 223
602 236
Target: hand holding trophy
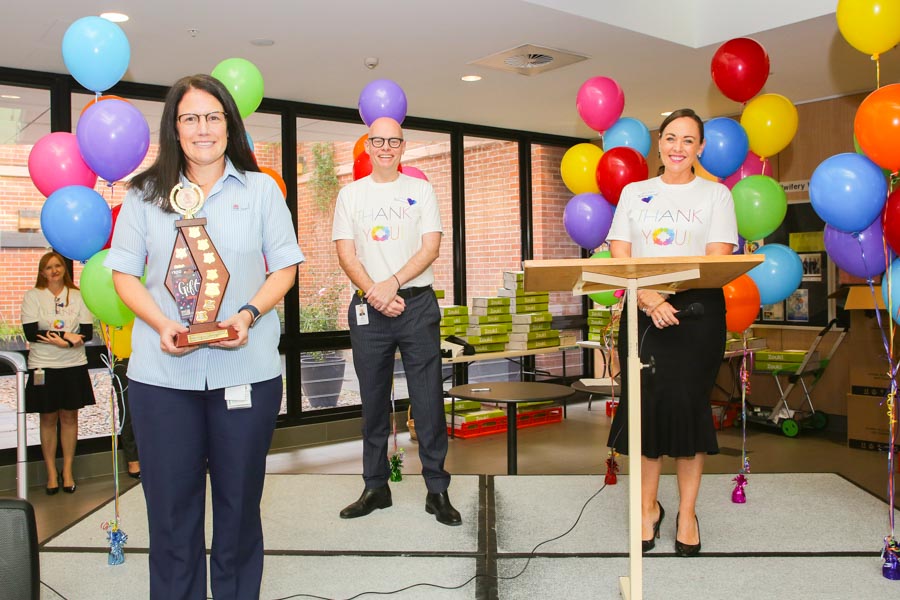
196 277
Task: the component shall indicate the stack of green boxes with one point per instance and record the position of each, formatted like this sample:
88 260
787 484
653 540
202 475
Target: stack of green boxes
599 320
785 361
454 320
468 411
489 324
532 330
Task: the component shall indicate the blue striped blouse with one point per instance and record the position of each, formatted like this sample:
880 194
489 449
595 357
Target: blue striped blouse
250 225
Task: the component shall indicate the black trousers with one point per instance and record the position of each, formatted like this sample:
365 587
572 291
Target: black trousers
416 334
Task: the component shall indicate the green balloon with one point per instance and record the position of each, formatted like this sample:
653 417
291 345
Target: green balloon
607 298
244 81
100 295
760 205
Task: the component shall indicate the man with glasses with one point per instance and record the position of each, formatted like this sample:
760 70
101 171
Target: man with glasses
387 229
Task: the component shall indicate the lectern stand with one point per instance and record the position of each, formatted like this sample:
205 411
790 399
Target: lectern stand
586 276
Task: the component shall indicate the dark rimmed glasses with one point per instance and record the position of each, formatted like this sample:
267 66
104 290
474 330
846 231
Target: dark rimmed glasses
217 117
378 142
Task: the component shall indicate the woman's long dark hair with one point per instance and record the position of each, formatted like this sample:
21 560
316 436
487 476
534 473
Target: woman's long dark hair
157 181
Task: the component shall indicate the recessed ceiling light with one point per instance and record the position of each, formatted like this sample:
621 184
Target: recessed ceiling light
10 97
262 42
115 17
665 114
471 77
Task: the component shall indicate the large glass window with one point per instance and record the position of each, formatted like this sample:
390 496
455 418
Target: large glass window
549 198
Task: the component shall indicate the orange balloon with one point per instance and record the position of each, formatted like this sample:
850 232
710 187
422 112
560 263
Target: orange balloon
95 100
741 303
701 172
360 146
877 127
274 175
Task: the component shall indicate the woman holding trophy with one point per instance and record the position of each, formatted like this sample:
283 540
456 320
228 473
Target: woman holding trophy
205 381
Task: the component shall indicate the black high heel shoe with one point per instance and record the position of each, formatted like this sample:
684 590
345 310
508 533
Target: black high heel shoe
686 550
52 491
647 545
69 489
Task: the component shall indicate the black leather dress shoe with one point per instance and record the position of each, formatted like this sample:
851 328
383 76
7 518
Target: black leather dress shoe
439 506
369 500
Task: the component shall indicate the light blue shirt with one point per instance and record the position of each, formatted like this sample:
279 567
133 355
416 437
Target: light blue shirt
250 226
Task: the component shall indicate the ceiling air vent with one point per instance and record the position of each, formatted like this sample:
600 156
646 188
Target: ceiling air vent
529 60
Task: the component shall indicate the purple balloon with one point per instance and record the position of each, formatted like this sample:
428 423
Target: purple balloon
587 219
860 254
382 98
113 138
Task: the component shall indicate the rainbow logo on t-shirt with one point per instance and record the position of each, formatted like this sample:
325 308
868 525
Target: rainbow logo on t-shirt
58 324
380 233
663 236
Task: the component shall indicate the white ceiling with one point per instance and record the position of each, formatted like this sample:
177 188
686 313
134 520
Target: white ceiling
660 55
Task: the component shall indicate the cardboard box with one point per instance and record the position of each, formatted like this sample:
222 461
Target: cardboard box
866 380
867 423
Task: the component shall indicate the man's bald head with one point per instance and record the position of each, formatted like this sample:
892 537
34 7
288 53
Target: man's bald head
385 127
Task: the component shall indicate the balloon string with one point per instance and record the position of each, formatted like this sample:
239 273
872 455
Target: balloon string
890 401
744 377
877 60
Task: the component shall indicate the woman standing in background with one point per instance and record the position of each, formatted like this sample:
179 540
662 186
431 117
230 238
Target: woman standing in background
56 324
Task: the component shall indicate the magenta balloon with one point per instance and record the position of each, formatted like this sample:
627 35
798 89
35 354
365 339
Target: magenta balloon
413 172
55 162
753 165
600 103
587 219
113 137
860 254
382 98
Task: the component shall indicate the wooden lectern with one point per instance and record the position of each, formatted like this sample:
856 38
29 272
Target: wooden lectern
586 276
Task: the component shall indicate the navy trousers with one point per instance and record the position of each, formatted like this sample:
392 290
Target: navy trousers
416 333
181 435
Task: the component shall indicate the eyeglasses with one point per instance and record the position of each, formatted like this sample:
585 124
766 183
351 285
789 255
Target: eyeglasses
378 142
214 118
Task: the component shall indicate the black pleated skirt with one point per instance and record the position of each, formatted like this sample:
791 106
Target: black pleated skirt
675 393
66 389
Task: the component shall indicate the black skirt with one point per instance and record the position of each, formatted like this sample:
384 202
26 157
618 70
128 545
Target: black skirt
676 416
63 389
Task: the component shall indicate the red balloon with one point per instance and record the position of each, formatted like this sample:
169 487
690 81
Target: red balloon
741 303
617 168
891 221
362 166
100 99
115 215
740 68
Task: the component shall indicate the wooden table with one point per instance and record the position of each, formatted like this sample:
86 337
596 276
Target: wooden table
511 393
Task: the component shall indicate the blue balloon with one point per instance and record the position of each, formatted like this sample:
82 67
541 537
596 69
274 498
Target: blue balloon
848 191
587 219
96 53
627 132
726 148
76 221
779 275
892 303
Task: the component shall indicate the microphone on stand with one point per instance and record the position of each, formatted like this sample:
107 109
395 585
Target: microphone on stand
694 309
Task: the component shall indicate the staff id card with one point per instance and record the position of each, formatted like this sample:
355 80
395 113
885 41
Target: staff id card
362 314
238 396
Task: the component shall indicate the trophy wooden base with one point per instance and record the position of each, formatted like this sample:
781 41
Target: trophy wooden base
204 333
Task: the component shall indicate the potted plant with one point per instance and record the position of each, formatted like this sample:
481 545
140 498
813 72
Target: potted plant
322 371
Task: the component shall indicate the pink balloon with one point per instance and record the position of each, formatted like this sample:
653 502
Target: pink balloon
600 103
55 162
413 172
753 165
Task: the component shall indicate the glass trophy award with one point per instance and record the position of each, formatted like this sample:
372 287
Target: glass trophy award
196 276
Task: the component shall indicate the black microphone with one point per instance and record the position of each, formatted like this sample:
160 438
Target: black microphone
695 309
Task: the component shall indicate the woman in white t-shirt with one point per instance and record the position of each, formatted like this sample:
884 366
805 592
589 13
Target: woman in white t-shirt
57 323
675 214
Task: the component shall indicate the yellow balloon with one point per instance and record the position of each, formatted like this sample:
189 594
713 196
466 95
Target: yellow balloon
870 26
579 168
118 339
770 121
